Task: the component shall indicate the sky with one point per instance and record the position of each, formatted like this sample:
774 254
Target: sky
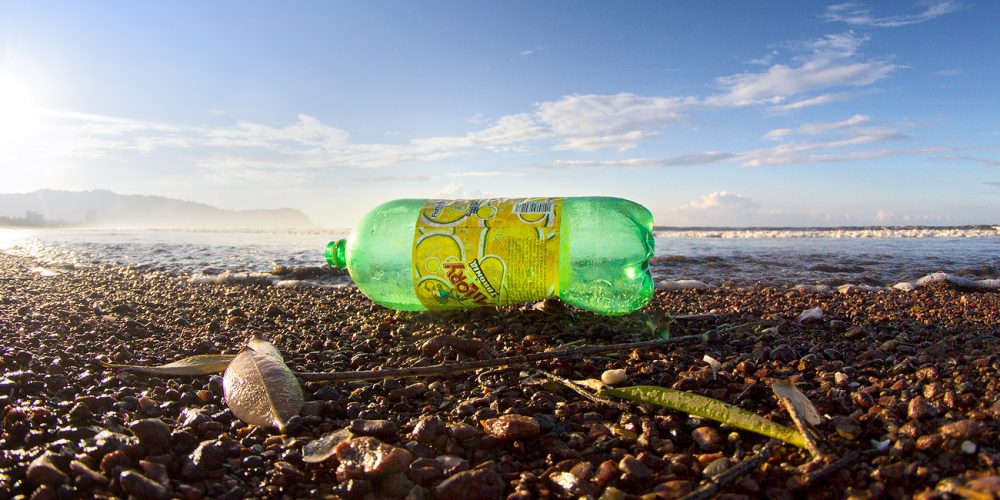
713 113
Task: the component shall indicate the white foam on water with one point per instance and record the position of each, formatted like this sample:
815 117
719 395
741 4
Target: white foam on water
853 232
683 285
230 278
956 281
813 288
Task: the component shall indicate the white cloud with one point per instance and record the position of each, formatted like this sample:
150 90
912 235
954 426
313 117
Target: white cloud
829 63
455 191
531 52
813 101
393 178
859 15
720 201
494 173
819 128
949 72
986 162
674 161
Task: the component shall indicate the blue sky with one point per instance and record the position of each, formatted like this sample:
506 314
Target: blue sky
709 113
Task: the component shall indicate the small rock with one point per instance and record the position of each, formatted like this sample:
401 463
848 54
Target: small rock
383 429
206 459
141 486
634 468
153 433
716 467
327 393
673 489
366 457
512 427
479 484
707 438
80 470
969 448
428 429
963 429
920 409
614 377
847 427
841 378
80 414
43 471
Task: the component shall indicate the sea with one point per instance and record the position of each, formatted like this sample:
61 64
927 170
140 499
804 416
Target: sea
735 257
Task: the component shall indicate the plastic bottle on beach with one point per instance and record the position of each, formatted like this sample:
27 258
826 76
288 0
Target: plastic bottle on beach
420 255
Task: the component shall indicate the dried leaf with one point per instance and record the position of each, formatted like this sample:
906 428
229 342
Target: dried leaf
706 407
264 347
322 448
797 402
261 390
202 364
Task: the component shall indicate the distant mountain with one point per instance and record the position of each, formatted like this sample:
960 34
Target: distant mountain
104 208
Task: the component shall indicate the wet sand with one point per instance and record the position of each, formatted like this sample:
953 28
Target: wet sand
906 383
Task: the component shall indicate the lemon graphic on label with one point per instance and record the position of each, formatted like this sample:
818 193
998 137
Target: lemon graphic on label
486 212
435 246
494 270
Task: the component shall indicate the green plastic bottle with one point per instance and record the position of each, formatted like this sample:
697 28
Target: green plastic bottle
419 255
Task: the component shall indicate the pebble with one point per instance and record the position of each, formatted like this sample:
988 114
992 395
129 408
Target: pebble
969 448
141 486
428 429
153 433
512 427
707 439
920 409
634 468
366 457
716 467
327 393
43 471
963 429
614 377
207 459
841 378
479 484
673 489
382 429
80 470
847 427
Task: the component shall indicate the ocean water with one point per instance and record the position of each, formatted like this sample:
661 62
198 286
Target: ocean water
723 257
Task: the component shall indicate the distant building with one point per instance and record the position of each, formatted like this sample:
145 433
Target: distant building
32 217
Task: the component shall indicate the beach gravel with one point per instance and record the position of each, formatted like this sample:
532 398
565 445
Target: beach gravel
906 383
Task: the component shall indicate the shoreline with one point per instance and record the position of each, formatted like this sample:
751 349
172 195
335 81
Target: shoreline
911 375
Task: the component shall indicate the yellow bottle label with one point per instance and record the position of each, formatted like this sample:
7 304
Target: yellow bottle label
488 252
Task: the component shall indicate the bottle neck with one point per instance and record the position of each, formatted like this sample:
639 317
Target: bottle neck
336 254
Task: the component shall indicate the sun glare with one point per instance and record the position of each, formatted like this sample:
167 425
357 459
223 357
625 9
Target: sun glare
17 109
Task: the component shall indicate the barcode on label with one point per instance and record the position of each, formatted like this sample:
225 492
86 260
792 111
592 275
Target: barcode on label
533 207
